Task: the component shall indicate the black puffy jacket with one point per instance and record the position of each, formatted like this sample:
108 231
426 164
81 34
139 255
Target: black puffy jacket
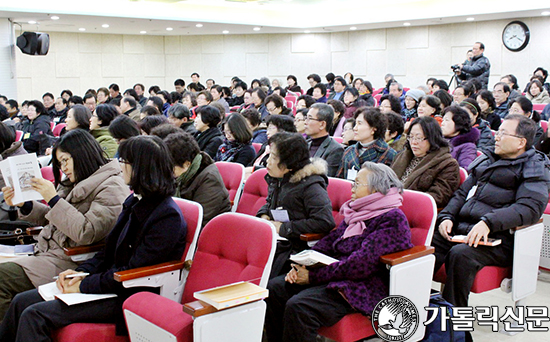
479 68
36 132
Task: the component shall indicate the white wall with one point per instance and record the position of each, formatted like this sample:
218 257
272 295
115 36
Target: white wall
79 61
8 82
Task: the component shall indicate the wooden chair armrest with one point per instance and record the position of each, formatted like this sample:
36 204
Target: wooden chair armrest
198 308
312 236
70 251
406 255
34 230
146 271
527 225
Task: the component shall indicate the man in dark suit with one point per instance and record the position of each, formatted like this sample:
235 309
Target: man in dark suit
321 145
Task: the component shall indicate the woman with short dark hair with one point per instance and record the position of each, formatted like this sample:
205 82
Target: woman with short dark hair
352 101
293 86
297 186
208 135
197 177
456 127
426 164
486 140
236 146
275 124
77 117
276 105
339 119
99 128
81 211
149 122
123 128
253 120
37 128
487 103
537 93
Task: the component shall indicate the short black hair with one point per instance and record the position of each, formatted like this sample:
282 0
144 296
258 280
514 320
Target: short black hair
481 45
87 154
442 84
13 103
151 121
7 137
284 123
395 123
292 77
330 77
179 82
322 88
444 97
131 92
218 88
175 96
253 116
526 106
3 113
238 128
210 115
206 94
66 91
324 113
114 87
461 118
39 106
63 100
166 96
431 79
282 91
192 97
544 73
179 111
432 132
195 74
308 99
261 94
341 80
505 87
150 110
395 103
123 127
432 101
315 77
241 84
194 87
106 113
526 128
48 95
468 89
375 119
130 100
82 115
89 96
513 79
75 99
182 146
472 106
115 101
152 166
139 85
488 97
155 89
162 131
157 102
338 106
277 100
292 149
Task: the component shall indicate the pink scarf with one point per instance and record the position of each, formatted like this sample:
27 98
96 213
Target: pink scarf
365 208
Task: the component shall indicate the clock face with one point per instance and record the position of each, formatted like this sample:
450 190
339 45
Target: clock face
515 36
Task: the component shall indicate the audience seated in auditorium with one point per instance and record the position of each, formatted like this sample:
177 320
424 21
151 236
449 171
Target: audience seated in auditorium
488 105
426 164
123 128
313 80
318 122
197 177
512 82
352 101
129 107
542 75
339 119
77 117
253 120
389 103
445 98
297 191
366 90
396 89
394 134
8 148
66 94
347 133
462 92
522 106
180 116
99 127
511 190
304 300
81 212
486 139
37 128
537 93
257 98
369 131
208 135
148 123
430 105
216 92
140 91
60 112
501 92
462 137
330 81
103 96
238 91
339 86
49 103
306 101
275 105
411 104
300 121
292 84
236 146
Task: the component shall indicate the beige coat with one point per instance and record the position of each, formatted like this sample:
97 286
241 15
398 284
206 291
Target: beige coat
84 215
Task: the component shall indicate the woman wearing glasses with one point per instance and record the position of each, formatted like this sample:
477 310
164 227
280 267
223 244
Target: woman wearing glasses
81 211
304 300
426 164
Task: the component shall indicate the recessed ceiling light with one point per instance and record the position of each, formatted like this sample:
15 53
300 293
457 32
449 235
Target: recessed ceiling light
225 32
470 19
54 17
32 22
169 29
307 31
353 28
406 24
143 32
287 0
105 25
199 25
546 13
256 29
82 29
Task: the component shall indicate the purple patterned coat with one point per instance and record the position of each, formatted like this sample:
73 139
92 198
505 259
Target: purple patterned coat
463 147
359 274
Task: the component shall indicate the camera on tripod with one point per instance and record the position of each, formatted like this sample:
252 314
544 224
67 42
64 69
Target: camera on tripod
455 67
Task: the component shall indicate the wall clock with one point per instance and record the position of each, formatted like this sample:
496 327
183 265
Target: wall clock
515 36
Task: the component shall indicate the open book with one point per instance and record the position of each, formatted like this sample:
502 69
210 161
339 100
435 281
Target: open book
226 296
50 292
490 241
18 172
313 258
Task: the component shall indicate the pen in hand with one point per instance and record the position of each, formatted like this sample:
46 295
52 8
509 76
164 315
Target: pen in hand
74 275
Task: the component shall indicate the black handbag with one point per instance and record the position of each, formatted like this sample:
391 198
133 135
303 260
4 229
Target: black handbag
12 231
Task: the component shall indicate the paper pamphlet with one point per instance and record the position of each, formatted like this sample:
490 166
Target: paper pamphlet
490 241
231 295
50 292
16 251
310 257
18 172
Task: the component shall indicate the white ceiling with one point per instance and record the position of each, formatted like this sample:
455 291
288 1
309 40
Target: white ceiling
270 16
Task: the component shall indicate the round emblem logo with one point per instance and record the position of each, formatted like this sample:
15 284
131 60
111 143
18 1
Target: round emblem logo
395 318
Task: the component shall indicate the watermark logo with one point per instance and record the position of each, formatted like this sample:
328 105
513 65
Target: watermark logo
395 318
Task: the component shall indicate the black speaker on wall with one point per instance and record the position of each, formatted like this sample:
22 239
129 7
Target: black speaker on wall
34 43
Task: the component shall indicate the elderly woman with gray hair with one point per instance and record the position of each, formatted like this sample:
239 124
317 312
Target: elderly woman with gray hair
303 300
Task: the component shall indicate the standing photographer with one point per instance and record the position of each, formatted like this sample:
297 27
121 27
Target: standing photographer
478 68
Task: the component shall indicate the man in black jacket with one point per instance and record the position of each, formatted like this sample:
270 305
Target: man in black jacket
505 189
479 67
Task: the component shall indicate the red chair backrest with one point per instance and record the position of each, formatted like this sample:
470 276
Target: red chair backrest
291 98
539 106
339 192
254 193
232 247
289 104
421 212
257 147
463 175
232 175
338 139
57 129
479 153
192 212
52 125
544 125
18 135
378 97
47 173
